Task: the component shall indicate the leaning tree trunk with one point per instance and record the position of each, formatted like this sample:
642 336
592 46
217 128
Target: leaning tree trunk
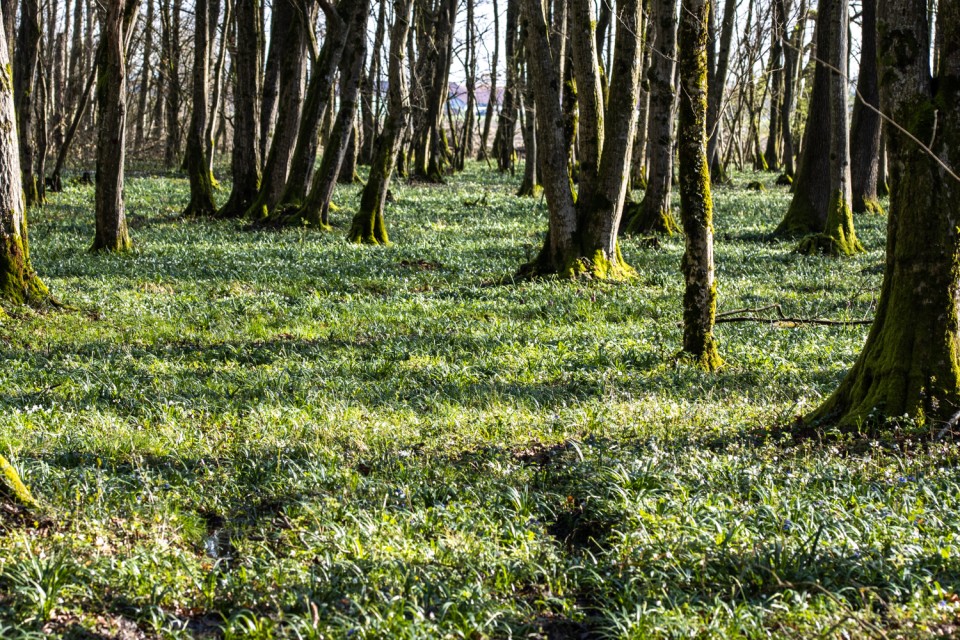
910 365
246 108
368 225
696 203
198 167
811 188
839 237
316 207
292 69
865 129
26 58
111 219
319 99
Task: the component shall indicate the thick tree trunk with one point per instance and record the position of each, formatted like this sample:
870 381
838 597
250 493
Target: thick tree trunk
111 220
27 55
368 225
18 282
910 365
696 203
246 107
839 237
279 27
865 129
811 188
653 214
198 167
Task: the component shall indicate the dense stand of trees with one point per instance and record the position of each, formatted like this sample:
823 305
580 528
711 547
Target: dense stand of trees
595 98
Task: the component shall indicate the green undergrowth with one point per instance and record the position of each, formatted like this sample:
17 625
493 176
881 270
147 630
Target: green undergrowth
282 434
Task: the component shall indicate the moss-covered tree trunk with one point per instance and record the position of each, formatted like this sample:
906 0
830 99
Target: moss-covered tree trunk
27 55
838 237
653 214
198 166
111 219
368 225
18 282
316 207
245 167
696 203
910 365
582 235
293 27
811 187
865 128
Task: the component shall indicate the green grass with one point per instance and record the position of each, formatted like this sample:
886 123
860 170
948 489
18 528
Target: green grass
279 434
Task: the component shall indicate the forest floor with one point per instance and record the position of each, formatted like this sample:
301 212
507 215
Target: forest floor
279 434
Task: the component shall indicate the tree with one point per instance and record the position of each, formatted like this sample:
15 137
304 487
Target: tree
653 214
245 165
26 57
198 167
368 226
910 364
582 234
865 128
111 219
696 203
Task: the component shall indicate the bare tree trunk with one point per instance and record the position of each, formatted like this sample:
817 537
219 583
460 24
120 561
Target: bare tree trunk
717 88
279 27
27 55
865 129
506 125
111 220
368 225
172 48
218 78
246 104
371 88
791 61
198 167
492 97
145 73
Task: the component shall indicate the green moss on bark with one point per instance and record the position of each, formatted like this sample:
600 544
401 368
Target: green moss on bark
839 239
18 282
12 487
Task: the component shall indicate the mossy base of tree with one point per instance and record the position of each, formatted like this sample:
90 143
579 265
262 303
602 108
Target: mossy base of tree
839 238
598 266
13 489
800 220
18 282
706 358
636 221
756 185
295 215
368 228
785 180
866 204
121 245
529 191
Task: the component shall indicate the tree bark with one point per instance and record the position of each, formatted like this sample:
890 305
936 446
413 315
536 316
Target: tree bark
111 220
246 107
506 125
910 364
368 225
279 26
865 129
201 203
172 48
492 97
145 73
26 57
653 214
696 203
370 89
716 93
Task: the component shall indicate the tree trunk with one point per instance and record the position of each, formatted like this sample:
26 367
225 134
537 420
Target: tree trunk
653 214
56 178
213 120
839 237
791 57
279 27
292 69
27 54
865 129
715 97
506 125
582 235
492 89
198 167
368 225
531 180
111 227
371 88
172 48
910 365
145 73
811 189
246 103
776 77
348 166
696 204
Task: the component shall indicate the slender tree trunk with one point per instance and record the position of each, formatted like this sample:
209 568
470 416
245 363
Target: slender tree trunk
696 203
776 78
492 97
145 73
198 167
791 57
213 121
172 46
348 166
111 220
839 237
371 88
279 27
717 89
506 125
910 364
246 104
653 214
368 225
865 129
56 178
